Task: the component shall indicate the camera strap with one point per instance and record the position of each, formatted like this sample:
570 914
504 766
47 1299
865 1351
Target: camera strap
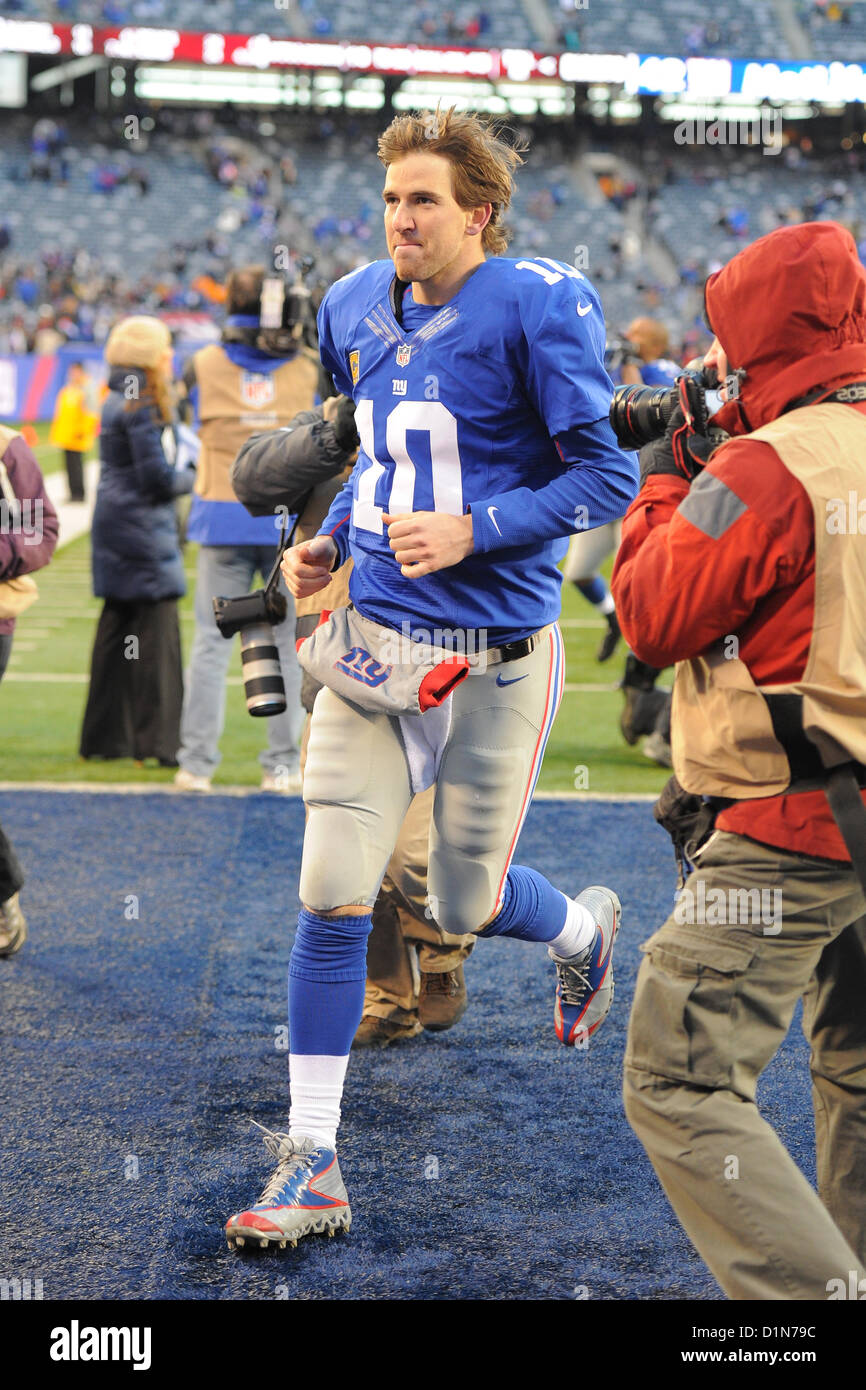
851 394
841 784
284 543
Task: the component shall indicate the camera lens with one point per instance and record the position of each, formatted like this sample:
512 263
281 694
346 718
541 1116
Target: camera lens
263 679
639 414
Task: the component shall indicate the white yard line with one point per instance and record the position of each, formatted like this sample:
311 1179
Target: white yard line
74 517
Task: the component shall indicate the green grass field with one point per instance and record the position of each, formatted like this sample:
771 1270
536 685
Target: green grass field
41 706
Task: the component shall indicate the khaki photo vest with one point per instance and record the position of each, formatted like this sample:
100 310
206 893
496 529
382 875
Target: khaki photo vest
722 738
234 403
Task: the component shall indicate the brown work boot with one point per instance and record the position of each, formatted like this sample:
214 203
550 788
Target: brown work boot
381 1032
442 999
13 928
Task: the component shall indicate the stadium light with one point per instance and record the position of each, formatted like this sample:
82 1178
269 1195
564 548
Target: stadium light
65 72
210 84
706 111
625 110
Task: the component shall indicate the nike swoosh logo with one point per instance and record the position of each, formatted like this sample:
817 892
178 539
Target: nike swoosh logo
583 310
490 511
513 681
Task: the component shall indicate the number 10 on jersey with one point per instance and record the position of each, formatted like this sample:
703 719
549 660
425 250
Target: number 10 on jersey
431 418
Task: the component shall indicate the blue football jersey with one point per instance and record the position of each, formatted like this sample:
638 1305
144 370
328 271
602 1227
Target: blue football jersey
473 406
661 372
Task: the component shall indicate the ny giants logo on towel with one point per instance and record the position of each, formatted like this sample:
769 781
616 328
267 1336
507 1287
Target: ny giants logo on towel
363 667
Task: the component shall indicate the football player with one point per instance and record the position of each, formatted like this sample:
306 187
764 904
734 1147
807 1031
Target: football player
482 408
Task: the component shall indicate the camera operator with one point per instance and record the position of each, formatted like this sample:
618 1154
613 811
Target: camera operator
304 467
254 379
735 565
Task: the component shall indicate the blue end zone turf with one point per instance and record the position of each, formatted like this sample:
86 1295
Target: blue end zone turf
142 1026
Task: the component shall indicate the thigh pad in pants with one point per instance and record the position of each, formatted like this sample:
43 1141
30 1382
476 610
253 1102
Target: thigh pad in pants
356 788
497 740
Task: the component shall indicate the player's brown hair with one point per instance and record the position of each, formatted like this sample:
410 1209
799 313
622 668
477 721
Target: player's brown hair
482 161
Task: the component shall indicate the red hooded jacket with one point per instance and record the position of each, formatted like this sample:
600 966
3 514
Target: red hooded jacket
791 310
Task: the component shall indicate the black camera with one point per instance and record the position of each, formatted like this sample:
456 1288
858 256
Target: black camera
640 414
287 318
252 615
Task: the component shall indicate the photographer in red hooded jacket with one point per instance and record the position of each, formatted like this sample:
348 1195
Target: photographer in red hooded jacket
745 564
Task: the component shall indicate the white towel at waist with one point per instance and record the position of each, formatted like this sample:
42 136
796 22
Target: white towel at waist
424 738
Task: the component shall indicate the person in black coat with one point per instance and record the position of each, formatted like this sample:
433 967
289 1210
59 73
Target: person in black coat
136 682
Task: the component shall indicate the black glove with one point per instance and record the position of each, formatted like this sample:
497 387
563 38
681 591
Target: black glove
685 448
344 425
688 819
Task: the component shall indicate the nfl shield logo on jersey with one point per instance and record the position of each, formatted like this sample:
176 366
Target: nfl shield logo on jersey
404 352
257 390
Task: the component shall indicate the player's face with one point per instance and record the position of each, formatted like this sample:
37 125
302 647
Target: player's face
428 232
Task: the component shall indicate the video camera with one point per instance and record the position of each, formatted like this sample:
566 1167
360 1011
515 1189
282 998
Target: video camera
287 314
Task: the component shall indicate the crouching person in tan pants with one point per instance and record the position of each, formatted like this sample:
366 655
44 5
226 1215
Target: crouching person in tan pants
735 566
415 977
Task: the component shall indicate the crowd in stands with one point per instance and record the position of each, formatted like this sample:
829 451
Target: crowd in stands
464 25
836 30
706 211
815 13
244 16
833 28
311 186
246 187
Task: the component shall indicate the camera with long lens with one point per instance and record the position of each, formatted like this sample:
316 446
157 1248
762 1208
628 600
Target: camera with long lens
253 616
640 414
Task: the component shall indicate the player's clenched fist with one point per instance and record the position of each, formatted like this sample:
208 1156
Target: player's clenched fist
307 567
424 542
